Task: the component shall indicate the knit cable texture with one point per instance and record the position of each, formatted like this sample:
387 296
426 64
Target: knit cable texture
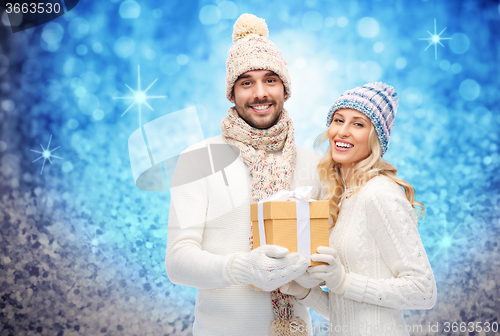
377 240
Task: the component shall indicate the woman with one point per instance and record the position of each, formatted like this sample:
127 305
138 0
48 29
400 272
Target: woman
376 264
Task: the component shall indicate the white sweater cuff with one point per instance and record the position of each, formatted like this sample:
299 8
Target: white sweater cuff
238 270
371 291
356 287
312 298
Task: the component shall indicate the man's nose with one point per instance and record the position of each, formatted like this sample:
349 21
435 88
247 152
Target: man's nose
260 91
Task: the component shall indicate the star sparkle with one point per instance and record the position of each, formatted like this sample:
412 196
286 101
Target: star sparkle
139 97
93 244
46 154
435 39
445 242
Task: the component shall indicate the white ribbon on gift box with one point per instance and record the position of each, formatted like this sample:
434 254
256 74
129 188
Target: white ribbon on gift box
302 197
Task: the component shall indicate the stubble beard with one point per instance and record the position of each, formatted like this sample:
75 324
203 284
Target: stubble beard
249 117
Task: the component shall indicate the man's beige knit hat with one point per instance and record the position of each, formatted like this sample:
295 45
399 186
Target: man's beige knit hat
253 51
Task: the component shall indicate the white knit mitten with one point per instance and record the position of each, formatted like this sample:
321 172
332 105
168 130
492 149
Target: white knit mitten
333 274
267 267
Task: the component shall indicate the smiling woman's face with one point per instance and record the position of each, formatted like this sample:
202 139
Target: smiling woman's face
349 135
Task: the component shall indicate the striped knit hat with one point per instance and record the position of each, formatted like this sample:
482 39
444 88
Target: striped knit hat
378 101
253 51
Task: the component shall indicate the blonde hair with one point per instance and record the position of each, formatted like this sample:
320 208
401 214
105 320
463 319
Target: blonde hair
330 175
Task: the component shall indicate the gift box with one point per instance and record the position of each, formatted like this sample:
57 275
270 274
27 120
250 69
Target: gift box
300 225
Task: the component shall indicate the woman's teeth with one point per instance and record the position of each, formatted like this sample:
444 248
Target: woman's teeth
343 145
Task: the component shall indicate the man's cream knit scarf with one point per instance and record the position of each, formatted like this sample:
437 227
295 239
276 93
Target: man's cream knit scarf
270 173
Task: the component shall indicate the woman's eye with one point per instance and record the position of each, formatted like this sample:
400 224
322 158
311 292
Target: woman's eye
338 120
359 124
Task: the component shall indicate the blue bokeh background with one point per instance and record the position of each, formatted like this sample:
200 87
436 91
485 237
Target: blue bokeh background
82 248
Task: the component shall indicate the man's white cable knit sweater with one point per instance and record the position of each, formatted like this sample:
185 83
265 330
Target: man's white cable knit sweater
377 241
209 223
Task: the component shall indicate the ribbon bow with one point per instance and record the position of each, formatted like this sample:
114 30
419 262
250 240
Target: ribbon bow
299 194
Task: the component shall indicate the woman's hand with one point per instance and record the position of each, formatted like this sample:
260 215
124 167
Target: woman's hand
307 281
333 273
293 288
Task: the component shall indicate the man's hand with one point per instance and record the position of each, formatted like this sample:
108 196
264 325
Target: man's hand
267 267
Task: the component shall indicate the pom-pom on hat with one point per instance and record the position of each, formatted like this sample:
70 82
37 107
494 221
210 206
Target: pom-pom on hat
253 51
378 101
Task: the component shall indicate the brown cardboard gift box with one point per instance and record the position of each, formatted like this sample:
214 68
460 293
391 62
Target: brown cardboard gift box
280 222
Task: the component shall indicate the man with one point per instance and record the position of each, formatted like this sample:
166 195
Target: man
209 242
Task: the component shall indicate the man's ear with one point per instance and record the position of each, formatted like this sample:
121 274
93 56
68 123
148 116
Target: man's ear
232 95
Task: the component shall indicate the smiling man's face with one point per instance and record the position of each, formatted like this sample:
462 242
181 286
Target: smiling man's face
259 96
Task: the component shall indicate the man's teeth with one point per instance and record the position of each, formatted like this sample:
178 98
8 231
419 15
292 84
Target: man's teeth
343 144
260 107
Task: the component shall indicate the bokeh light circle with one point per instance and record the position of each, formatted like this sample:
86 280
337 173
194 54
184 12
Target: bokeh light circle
129 9
4 64
456 68
16 19
98 114
97 47
228 10
378 47
329 22
401 63
412 97
312 21
209 15
444 65
371 71
81 49
8 105
368 27
88 104
78 27
91 81
342 22
182 59
66 167
459 43
124 47
150 54
469 89
73 124
52 33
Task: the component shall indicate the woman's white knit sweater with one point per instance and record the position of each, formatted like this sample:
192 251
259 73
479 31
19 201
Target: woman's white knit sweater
209 223
377 241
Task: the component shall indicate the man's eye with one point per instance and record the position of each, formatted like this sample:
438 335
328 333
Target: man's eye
271 80
245 83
